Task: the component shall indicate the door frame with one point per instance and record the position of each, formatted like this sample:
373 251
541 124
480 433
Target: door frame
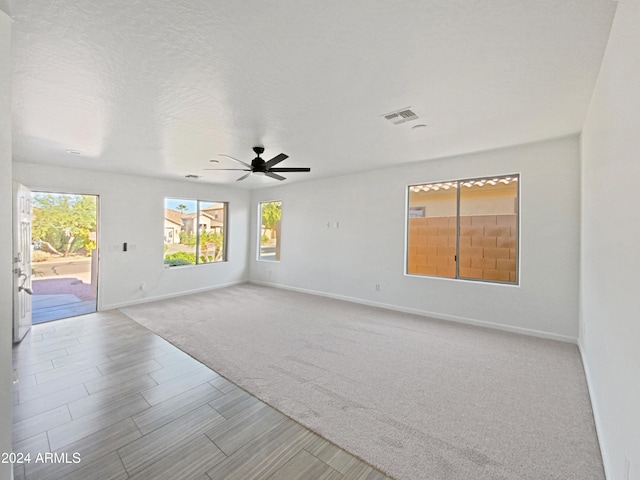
21 255
95 257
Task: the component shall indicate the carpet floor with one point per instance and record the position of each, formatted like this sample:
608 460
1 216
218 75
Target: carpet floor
418 398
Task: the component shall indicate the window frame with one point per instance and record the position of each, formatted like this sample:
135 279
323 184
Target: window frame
409 209
259 229
197 230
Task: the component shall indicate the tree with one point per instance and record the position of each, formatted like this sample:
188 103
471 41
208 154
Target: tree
271 215
63 223
211 246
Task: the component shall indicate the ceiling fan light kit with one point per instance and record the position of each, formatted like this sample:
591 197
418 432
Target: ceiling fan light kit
259 165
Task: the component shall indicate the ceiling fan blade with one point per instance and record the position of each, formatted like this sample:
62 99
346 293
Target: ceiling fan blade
276 160
239 161
241 169
243 177
273 175
291 169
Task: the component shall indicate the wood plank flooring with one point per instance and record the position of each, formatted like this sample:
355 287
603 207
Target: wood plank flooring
103 389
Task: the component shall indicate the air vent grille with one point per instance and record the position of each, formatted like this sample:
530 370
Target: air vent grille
401 116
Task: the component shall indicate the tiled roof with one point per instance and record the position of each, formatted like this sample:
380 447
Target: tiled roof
464 183
176 217
173 216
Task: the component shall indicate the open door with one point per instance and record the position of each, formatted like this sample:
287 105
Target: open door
21 261
64 255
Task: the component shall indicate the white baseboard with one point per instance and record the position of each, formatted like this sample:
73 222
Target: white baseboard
141 300
594 406
424 313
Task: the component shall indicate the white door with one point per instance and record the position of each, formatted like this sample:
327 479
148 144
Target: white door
21 261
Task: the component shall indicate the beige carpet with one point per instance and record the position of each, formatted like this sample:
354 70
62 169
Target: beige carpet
415 397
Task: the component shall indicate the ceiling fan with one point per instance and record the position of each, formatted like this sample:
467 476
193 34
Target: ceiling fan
259 165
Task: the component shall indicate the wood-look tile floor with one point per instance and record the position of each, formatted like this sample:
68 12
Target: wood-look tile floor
45 308
104 390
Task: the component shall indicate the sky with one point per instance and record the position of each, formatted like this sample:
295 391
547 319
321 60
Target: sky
173 203
191 205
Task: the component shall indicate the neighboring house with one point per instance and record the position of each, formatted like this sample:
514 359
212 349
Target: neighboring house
216 211
206 222
211 220
172 226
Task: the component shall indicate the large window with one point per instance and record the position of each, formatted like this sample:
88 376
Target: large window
269 231
464 229
194 232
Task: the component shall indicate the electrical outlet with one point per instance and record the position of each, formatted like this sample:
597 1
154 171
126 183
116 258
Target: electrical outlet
142 285
377 287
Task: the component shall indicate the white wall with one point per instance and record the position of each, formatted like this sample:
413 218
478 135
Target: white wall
132 211
610 259
6 286
368 246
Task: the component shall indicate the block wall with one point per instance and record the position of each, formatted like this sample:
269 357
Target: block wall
487 247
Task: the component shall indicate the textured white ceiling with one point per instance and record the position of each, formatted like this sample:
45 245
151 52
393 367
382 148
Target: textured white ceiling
160 87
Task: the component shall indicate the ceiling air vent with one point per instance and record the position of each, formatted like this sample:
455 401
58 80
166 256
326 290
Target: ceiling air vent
401 116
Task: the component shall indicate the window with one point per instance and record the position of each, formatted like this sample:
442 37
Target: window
269 231
464 229
194 232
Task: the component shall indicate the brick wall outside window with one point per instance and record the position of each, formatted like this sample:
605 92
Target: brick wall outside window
487 247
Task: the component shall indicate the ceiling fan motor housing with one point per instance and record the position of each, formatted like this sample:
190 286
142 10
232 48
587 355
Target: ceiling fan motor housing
257 164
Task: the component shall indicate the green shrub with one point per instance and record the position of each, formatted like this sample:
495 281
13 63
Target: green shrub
176 262
187 238
180 258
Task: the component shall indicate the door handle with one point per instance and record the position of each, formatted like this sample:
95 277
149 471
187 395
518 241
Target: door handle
21 287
